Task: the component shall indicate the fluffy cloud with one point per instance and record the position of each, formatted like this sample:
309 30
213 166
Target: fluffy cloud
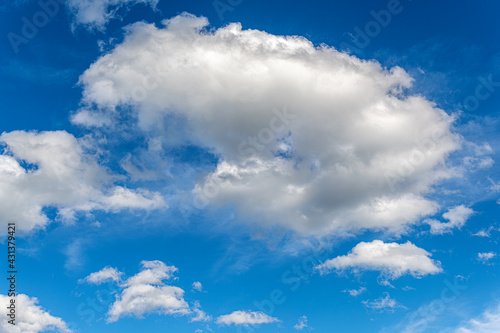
392 259
197 286
486 256
456 216
146 293
90 119
308 137
246 318
141 299
95 14
30 317
488 323
153 272
54 169
383 304
104 275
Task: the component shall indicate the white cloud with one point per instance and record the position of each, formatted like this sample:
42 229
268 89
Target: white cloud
104 275
351 151
54 169
246 318
456 216
199 315
392 259
30 317
479 158
355 292
95 14
153 272
486 256
484 232
301 324
87 118
407 288
146 293
197 286
384 303
488 323
141 299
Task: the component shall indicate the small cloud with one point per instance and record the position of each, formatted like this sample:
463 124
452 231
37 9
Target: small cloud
104 275
95 15
383 304
408 288
495 186
146 293
197 286
480 158
485 257
484 232
355 292
96 224
456 216
393 260
88 119
301 324
246 318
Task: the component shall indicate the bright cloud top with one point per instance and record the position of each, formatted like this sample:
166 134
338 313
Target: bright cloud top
392 259
95 14
55 169
246 318
31 318
146 293
104 275
456 216
311 138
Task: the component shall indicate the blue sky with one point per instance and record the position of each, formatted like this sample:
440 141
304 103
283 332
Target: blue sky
203 166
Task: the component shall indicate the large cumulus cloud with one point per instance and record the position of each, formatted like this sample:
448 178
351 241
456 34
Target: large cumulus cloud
308 137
